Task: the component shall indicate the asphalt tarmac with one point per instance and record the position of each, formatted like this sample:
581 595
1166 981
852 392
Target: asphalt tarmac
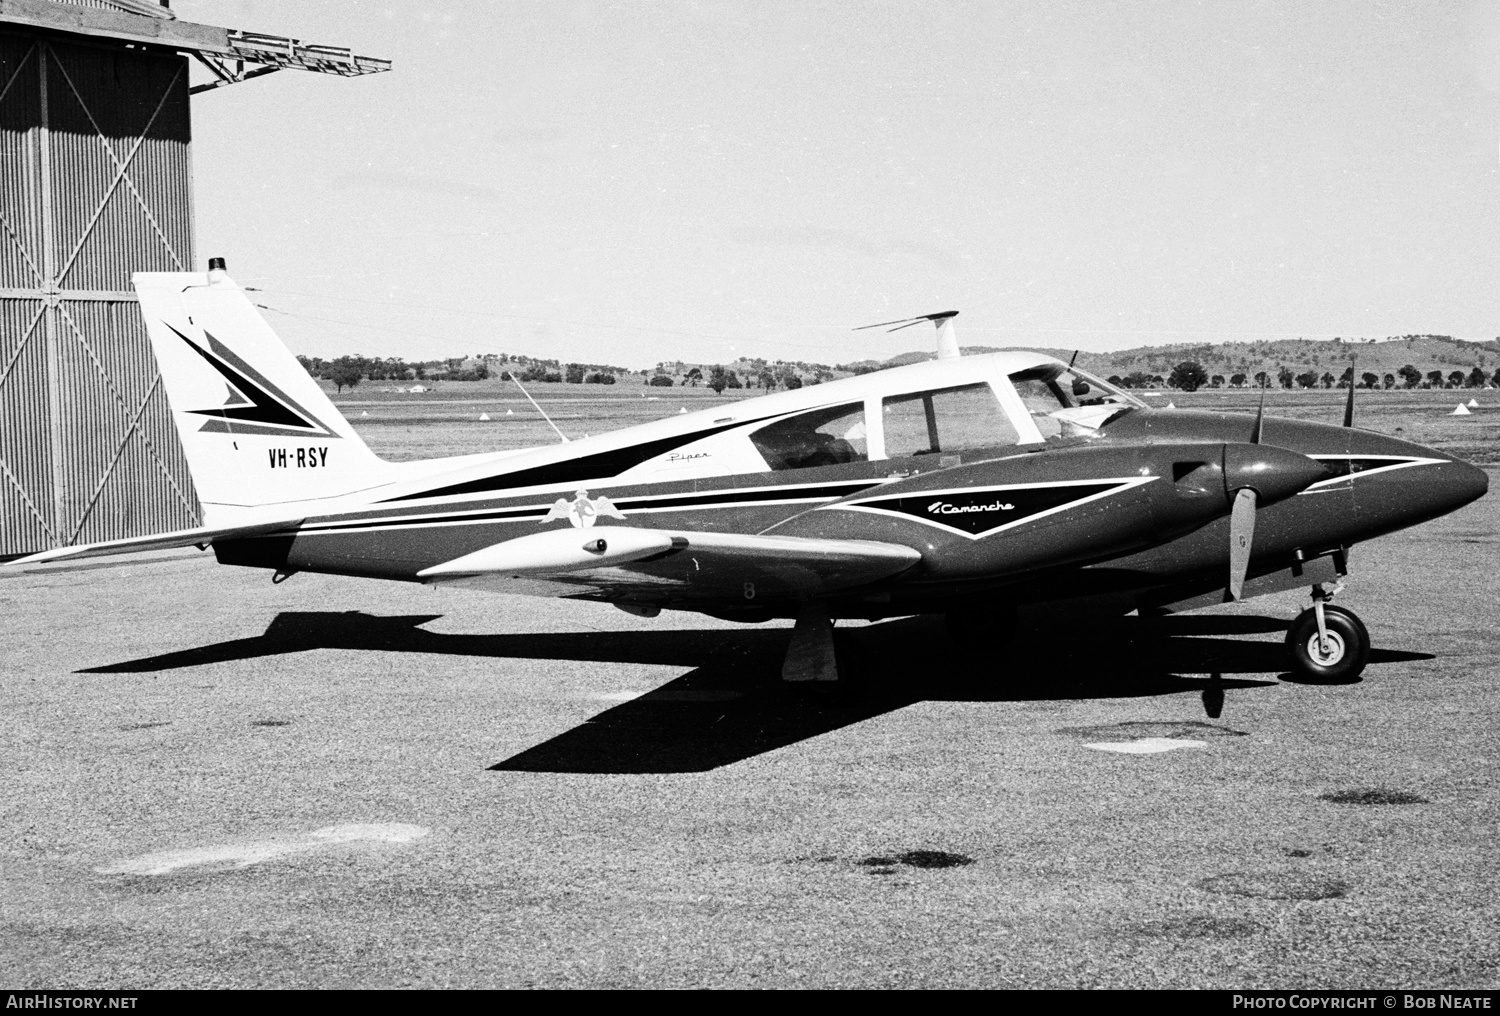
210 780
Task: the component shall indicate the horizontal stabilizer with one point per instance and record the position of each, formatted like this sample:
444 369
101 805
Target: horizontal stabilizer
164 541
673 564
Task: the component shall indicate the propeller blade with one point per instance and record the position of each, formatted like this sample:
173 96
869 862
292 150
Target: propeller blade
1349 406
1241 536
1260 417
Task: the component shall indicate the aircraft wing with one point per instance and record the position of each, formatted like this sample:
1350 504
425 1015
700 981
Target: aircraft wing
678 565
163 541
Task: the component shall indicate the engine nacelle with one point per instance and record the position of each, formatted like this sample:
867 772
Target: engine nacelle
1052 508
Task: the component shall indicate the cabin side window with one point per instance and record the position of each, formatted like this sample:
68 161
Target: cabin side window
1066 403
948 421
831 436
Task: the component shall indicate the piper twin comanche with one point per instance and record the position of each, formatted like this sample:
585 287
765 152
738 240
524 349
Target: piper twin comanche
963 486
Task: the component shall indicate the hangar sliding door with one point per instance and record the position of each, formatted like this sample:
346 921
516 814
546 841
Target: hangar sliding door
95 183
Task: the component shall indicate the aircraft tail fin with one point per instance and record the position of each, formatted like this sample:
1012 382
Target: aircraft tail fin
259 433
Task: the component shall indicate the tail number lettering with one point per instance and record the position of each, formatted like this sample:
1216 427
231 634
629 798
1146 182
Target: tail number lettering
298 458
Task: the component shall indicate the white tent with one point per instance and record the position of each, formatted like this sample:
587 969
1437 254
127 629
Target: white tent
1462 410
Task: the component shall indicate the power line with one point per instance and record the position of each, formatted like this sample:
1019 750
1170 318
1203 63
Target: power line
499 316
1018 331
336 321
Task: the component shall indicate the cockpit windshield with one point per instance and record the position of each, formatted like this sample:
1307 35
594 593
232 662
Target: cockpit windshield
1065 402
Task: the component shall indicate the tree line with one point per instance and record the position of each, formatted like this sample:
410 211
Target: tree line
1189 376
349 371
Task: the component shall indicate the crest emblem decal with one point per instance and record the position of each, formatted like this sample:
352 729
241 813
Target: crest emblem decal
582 512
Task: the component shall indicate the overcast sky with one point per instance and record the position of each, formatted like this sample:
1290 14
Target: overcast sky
633 182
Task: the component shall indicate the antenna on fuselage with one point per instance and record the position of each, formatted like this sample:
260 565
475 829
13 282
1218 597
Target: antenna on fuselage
539 409
1349 405
1260 414
947 340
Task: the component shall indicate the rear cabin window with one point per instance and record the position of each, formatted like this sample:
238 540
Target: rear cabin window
949 421
831 436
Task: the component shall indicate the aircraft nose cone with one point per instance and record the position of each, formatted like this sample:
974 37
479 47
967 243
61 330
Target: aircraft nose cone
1400 484
1463 483
1273 473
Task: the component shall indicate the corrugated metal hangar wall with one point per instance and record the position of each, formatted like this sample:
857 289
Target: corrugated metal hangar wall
95 183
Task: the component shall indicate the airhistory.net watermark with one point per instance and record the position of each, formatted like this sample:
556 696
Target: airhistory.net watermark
50 1001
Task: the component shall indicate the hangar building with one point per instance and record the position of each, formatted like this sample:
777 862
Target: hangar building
96 183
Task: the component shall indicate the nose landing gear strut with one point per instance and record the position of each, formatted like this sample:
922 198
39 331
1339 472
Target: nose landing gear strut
1327 643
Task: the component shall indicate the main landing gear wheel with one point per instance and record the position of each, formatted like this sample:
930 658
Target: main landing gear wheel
1339 656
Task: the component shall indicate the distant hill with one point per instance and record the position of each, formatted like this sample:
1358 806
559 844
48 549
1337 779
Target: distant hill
1425 352
1387 356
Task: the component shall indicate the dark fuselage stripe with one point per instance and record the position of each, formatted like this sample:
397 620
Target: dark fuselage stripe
714 499
737 497
583 469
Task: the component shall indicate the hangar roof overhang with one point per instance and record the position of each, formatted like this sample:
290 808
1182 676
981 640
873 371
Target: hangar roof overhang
230 54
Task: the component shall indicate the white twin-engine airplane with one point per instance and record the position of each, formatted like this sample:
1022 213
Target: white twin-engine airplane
963 486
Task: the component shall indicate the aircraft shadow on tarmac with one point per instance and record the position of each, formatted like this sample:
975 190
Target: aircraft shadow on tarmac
733 704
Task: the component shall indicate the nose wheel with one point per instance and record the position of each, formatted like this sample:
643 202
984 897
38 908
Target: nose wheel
1328 643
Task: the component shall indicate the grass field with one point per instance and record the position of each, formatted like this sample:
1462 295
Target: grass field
403 426
218 781
215 781
1414 415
